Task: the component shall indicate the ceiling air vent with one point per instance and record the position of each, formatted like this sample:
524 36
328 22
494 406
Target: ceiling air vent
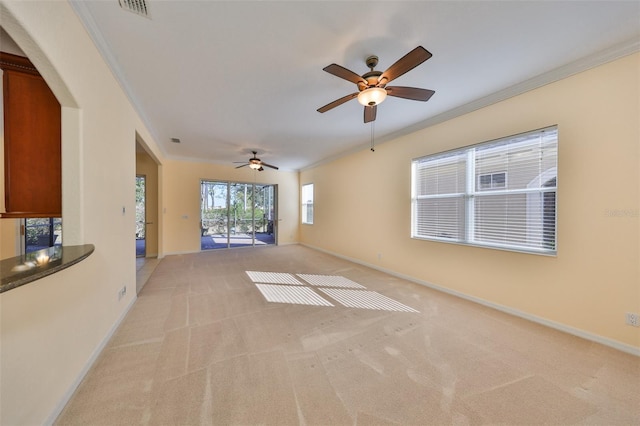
139 7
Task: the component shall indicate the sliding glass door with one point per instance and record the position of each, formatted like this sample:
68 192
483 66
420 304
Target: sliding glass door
41 233
236 214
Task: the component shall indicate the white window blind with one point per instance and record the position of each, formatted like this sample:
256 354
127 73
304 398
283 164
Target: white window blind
307 203
498 194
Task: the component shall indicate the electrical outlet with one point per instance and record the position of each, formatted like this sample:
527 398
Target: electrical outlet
632 319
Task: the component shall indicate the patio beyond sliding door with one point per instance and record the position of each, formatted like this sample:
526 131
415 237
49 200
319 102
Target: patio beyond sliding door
236 214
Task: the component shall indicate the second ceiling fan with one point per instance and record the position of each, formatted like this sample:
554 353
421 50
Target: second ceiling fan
372 86
255 163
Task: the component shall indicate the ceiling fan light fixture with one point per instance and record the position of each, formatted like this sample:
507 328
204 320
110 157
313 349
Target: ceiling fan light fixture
372 96
254 166
372 85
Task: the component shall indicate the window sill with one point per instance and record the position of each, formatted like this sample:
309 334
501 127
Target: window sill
513 249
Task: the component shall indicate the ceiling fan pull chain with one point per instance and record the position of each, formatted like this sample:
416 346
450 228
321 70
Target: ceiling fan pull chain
372 143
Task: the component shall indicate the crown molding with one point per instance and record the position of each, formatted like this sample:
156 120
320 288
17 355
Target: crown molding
608 55
86 19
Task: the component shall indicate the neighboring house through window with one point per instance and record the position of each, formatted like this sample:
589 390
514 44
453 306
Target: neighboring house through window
499 194
492 181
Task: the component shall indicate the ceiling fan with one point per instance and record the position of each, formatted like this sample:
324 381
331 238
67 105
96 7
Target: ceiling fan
372 86
255 163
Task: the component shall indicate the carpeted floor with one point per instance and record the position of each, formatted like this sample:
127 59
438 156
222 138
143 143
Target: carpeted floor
340 344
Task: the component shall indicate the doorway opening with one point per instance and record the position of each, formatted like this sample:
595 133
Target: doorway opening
236 214
141 216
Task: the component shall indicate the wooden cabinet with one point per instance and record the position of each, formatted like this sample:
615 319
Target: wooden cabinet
32 142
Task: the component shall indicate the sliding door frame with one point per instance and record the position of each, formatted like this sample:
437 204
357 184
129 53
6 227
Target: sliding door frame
229 226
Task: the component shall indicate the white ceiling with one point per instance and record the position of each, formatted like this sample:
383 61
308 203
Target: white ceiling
230 77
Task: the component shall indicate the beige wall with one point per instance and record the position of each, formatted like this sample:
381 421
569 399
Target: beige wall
10 238
145 165
362 207
54 327
181 204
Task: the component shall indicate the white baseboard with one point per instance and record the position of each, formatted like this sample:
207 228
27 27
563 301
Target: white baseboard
173 253
506 309
177 253
92 359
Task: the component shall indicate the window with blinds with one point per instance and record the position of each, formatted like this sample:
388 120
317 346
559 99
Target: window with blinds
307 203
499 194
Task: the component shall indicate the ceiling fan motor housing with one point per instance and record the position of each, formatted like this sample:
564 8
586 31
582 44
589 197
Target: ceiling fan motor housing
372 78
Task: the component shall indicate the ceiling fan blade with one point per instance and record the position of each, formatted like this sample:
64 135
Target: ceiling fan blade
404 64
342 72
268 165
370 113
337 102
244 165
413 93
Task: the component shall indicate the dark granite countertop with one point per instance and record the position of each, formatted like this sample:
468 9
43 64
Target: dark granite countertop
21 270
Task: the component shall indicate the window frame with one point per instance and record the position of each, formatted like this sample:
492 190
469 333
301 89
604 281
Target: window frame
305 206
465 233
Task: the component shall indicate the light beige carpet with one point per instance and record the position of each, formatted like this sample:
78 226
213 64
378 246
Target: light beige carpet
203 345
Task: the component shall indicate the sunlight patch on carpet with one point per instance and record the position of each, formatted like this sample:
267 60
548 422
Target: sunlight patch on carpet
292 295
365 300
273 278
282 287
330 281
